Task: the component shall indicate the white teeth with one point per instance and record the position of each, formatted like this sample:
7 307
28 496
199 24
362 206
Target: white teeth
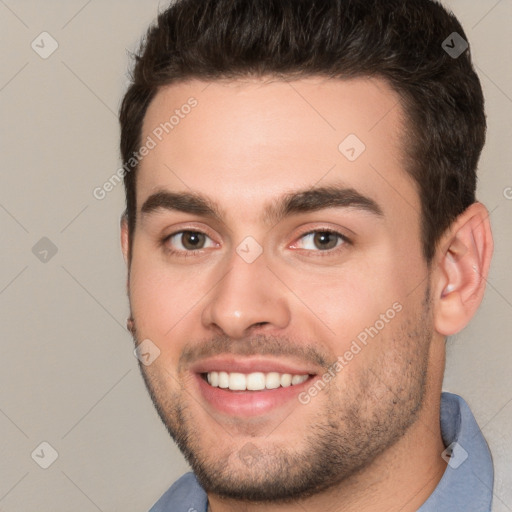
237 381
223 380
286 380
298 379
272 380
213 379
253 381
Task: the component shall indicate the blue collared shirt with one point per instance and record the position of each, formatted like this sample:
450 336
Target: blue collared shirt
466 485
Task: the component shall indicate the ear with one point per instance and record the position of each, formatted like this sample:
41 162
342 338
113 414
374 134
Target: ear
463 259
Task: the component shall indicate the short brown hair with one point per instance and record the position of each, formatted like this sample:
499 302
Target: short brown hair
400 41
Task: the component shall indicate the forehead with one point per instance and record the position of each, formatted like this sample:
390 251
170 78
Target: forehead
259 137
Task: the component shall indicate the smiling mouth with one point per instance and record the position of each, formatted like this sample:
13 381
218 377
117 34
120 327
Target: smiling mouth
255 381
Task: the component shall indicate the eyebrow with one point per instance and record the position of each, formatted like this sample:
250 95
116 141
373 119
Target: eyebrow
292 203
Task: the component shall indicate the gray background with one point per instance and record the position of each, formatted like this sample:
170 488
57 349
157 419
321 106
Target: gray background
67 371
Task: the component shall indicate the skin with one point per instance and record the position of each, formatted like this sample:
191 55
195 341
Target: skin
245 143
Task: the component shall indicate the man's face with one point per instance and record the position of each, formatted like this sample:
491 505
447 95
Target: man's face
252 298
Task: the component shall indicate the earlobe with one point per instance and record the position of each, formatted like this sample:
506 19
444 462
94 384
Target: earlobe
462 268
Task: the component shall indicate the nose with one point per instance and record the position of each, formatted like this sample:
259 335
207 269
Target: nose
247 296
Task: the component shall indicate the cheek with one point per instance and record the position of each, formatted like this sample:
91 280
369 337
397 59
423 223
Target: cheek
350 299
147 297
155 300
360 310
157 307
163 297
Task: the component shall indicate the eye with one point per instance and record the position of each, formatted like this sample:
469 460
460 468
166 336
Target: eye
322 240
190 243
186 241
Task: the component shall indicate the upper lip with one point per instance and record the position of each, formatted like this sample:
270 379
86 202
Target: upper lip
251 364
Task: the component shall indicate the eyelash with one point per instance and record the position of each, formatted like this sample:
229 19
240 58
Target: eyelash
193 253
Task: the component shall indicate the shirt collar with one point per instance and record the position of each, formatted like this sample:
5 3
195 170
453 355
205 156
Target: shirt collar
467 483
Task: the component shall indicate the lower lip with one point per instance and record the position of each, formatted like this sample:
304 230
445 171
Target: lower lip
249 403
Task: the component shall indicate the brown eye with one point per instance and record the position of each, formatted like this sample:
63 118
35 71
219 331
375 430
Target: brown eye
322 240
187 242
325 240
192 240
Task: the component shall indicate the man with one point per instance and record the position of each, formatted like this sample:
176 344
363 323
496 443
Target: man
301 236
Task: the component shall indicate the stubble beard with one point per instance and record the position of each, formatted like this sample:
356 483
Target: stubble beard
343 440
